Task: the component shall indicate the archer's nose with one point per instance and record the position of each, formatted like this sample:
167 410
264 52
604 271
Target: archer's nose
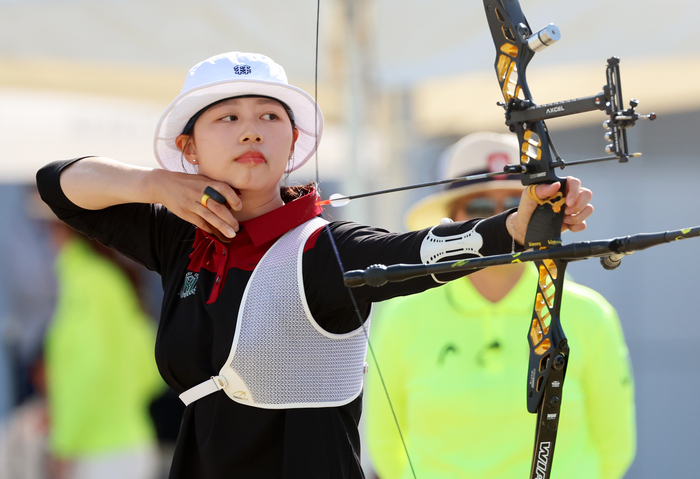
251 135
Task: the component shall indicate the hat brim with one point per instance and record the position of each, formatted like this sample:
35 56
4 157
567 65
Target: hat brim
308 118
431 209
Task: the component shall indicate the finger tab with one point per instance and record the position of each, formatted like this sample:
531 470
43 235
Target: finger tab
214 195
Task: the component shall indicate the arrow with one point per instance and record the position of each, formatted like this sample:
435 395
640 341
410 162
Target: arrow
337 199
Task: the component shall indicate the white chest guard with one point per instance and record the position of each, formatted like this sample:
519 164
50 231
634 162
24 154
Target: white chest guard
280 357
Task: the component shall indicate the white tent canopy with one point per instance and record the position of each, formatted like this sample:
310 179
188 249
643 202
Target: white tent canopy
83 77
413 40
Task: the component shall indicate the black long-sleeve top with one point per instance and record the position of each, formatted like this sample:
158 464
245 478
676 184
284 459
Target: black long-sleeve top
203 281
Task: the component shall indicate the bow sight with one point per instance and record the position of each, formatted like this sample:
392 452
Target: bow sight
609 100
516 44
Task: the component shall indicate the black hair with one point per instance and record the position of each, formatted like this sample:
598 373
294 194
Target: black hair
290 193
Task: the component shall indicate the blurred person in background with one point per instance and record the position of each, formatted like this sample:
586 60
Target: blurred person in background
100 367
27 297
454 358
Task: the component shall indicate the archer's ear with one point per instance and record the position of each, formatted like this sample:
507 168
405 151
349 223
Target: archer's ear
294 142
185 144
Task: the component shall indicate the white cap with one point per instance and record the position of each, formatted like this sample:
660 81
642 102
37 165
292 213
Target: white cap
474 154
231 75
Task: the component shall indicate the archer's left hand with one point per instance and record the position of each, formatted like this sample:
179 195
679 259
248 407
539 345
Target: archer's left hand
577 208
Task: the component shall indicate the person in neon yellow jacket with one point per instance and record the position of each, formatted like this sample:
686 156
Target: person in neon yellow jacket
454 359
100 367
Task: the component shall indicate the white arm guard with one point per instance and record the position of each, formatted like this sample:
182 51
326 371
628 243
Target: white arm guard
435 248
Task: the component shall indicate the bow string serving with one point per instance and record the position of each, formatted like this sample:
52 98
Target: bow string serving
358 314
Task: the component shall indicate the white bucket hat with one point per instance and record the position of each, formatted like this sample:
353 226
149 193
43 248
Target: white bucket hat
230 75
474 154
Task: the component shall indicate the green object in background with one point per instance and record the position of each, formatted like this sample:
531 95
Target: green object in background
100 364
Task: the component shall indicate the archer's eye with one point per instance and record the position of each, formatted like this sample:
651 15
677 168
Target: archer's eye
271 116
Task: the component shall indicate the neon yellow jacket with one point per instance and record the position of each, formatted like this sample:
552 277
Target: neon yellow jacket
455 366
100 364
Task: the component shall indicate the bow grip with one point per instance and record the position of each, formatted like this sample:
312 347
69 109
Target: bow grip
544 229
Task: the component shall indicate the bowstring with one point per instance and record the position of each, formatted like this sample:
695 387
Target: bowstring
337 254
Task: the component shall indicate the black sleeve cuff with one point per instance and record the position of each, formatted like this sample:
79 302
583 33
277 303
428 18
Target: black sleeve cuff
48 182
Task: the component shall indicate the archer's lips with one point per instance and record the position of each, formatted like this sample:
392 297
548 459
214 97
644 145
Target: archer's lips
251 157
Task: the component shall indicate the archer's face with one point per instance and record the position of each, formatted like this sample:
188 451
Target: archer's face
485 204
245 142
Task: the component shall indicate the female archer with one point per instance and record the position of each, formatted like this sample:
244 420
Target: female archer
258 334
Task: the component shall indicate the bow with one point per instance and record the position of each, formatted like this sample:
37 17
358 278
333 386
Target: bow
516 45
549 351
